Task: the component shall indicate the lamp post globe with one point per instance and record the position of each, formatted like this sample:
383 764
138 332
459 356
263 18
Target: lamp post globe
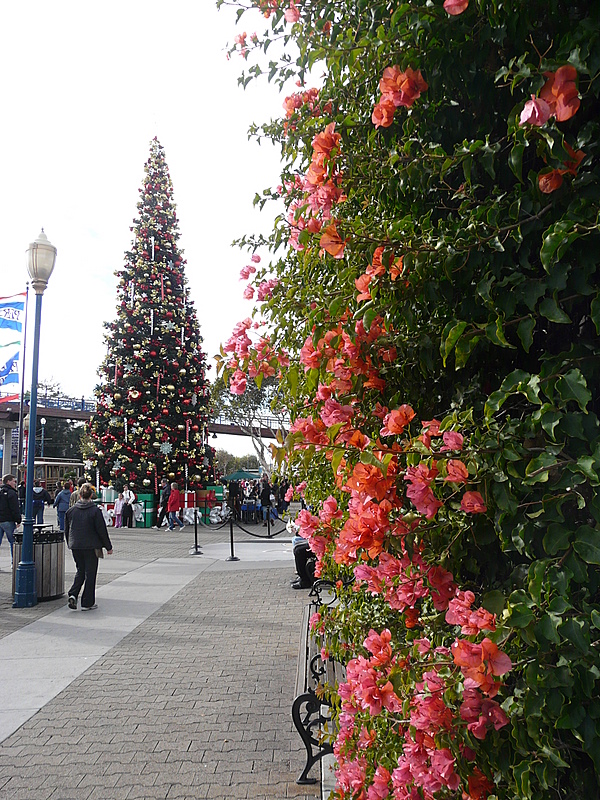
41 256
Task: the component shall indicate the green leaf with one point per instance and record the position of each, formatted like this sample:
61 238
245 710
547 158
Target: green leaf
547 627
520 616
452 337
573 386
537 469
550 310
556 241
587 544
525 332
336 459
595 312
556 538
576 631
515 161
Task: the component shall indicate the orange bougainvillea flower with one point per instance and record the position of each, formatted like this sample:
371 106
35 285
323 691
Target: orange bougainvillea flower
549 182
383 113
324 142
362 286
479 786
332 242
401 88
396 421
560 92
397 268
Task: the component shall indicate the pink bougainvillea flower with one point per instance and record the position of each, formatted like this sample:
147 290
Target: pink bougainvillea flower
472 503
237 384
455 7
248 292
443 588
380 788
452 441
560 92
379 646
255 258
457 472
536 112
332 242
292 14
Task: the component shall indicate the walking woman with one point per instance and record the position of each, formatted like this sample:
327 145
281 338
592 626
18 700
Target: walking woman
85 532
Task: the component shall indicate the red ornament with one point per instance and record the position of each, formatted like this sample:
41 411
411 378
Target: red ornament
165 412
152 352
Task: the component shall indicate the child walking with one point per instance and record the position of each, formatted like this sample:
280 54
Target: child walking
119 510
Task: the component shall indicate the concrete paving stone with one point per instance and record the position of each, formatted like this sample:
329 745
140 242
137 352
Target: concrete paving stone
116 793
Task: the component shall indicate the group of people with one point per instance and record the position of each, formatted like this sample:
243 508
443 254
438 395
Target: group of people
261 492
82 522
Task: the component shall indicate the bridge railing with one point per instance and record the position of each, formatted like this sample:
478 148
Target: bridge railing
67 403
89 405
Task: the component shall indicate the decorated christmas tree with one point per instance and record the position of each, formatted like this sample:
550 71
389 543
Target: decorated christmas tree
152 398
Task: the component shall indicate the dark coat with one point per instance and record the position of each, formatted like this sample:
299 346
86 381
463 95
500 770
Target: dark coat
164 495
9 506
265 494
85 528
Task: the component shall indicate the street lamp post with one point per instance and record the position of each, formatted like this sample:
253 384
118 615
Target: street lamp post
41 256
43 424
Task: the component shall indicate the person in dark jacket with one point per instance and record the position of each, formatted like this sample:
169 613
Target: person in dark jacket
21 491
61 504
40 497
10 513
265 499
165 491
85 532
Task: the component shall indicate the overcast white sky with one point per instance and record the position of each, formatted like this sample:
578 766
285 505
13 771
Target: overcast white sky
85 87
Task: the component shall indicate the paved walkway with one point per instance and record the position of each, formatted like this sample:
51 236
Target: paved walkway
179 685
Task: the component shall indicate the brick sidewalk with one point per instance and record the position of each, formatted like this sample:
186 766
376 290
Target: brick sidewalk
194 703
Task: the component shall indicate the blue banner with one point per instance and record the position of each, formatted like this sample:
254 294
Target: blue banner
12 313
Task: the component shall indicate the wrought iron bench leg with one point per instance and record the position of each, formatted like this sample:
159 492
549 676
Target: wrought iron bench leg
304 725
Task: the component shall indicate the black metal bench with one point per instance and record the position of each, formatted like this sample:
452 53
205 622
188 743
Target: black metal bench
310 709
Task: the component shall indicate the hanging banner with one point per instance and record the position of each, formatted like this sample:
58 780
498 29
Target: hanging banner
12 314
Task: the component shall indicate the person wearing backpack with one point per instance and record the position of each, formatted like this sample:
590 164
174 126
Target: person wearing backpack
10 513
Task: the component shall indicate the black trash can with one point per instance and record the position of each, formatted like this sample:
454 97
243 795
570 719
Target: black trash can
49 560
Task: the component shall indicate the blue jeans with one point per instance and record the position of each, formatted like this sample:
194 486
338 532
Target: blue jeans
8 528
61 519
173 518
38 513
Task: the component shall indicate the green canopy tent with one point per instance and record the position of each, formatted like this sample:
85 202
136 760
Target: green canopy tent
242 475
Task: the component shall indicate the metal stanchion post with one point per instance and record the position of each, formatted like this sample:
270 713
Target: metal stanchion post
269 522
232 557
196 550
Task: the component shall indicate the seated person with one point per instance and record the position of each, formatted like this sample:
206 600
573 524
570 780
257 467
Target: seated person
305 561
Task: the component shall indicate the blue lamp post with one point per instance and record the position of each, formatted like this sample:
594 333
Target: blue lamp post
41 256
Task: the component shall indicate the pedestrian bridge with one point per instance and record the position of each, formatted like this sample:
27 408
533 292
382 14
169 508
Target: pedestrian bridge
81 408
